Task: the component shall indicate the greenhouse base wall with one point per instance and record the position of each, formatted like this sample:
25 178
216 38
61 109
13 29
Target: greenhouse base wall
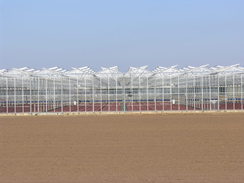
121 108
120 113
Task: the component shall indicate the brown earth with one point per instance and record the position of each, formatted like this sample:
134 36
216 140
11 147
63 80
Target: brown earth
123 148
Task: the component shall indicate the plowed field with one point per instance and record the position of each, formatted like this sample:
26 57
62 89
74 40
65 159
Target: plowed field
187 148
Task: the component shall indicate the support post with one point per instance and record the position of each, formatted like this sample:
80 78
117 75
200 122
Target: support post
162 93
85 96
218 91
124 103
93 93
62 92
46 97
69 96
108 96
170 89
101 95
210 93
186 80
77 93
241 91
132 93
54 95
226 94
233 86
178 85
22 93
202 94
147 94
38 94
30 95
14 95
139 90
7 94
116 94
155 95
194 92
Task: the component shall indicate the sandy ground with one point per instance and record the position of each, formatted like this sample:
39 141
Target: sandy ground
127 148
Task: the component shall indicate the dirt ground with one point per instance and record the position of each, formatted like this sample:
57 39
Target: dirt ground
187 148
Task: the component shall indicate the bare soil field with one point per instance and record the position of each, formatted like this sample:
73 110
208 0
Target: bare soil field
153 148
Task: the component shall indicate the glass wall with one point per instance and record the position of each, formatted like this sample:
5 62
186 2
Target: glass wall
118 92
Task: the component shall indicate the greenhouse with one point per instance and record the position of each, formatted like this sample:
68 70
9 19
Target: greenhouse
81 90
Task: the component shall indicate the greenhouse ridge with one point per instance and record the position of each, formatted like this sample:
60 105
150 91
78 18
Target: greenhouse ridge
56 71
56 90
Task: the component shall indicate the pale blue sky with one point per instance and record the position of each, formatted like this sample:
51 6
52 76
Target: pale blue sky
72 33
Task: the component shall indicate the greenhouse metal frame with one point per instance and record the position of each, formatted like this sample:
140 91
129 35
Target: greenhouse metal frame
82 90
